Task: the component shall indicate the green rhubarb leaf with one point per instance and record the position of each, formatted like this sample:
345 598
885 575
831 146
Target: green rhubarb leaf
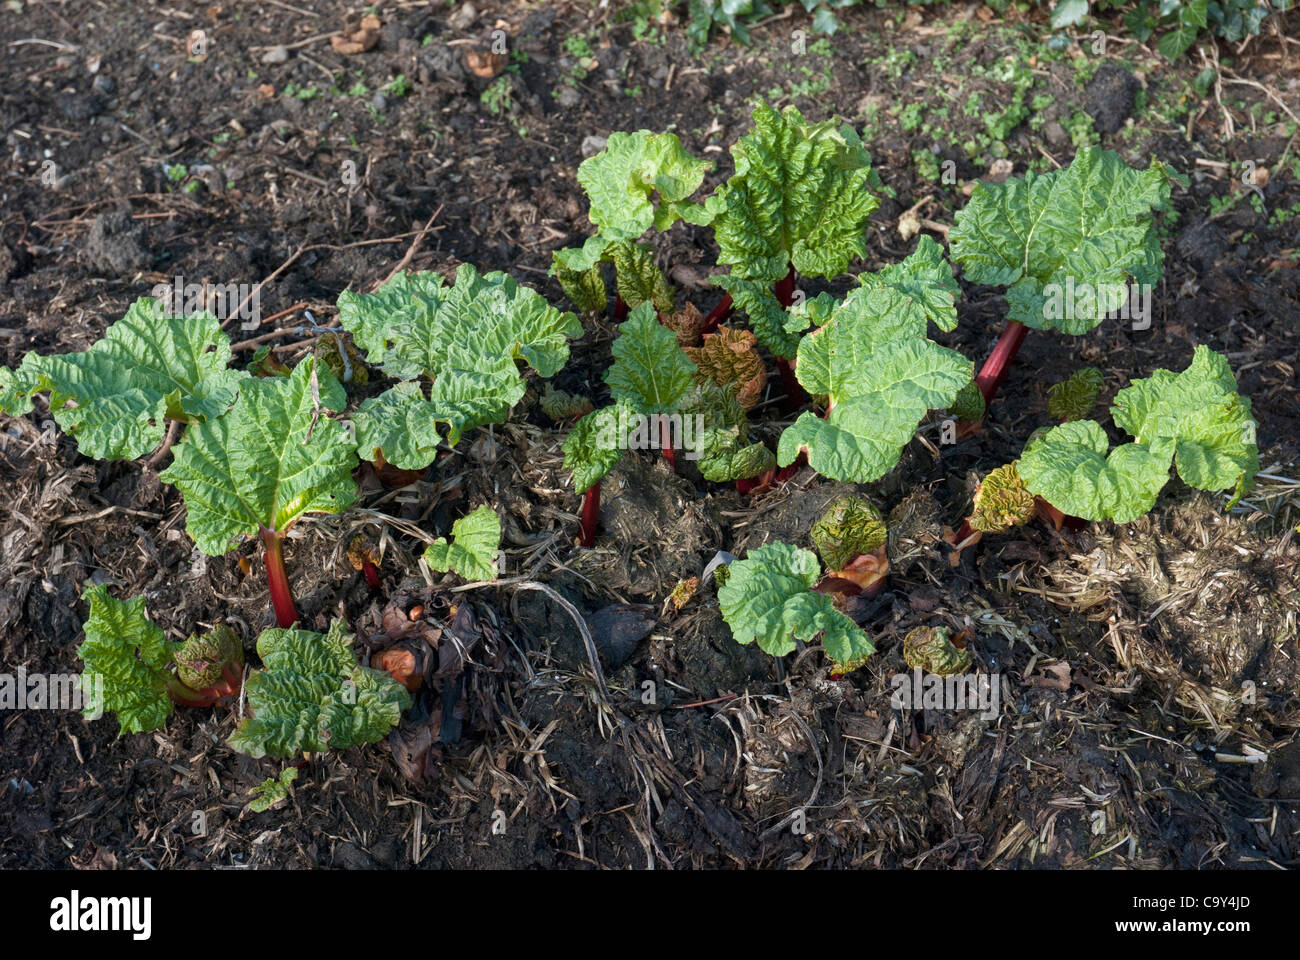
580 259
638 278
465 338
312 695
473 552
130 654
596 444
799 196
203 658
725 456
1201 413
768 597
272 790
399 424
561 405
114 396
880 375
1069 467
274 457
849 528
585 288
969 403
1001 501
1087 226
926 278
931 649
634 168
650 373
1074 398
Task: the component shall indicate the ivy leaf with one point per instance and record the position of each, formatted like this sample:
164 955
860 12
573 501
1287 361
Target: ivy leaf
271 459
1087 225
799 196
650 372
768 597
1069 468
621 180
595 445
130 653
1200 412
312 696
473 555
880 375
466 338
148 367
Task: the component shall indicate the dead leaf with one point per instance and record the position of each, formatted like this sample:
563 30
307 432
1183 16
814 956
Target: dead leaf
484 63
359 42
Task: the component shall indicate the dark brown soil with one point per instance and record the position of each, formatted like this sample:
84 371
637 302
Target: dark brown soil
1176 636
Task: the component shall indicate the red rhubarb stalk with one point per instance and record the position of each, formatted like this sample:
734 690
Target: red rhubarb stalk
719 313
1004 352
620 309
590 514
371 574
666 442
286 614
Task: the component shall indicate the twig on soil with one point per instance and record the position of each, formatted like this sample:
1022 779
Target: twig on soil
412 249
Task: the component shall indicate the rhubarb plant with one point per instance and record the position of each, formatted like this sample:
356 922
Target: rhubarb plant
1065 244
143 674
472 553
879 373
466 339
116 396
255 471
312 695
768 597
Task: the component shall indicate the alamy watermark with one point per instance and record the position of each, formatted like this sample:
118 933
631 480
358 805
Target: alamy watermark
962 691
53 691
222 300
656 431
1096 302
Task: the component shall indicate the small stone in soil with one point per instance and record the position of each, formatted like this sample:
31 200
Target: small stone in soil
277 54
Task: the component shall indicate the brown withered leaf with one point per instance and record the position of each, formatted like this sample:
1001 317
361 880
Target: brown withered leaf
687 323
484 63
401 663
1054 676
730 356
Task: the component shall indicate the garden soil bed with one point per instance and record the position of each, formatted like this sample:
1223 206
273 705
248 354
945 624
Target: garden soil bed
1138 664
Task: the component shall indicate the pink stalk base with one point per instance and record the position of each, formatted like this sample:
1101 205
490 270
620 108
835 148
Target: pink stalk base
718 315
666 443
620 309
1004 353
590 514
286 614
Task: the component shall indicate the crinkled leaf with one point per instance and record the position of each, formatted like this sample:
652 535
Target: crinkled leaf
849 528
925 277
1089 224
799 196
768 597
650 372
471 332
1002 500
638 278
114 396
596 444
560 405
1069 468
131 654
725 456
271 459
1201 413
473 550
1074 398
204 657
312 696
729 357
969 403
776 328
880 374
931 649
586 288
272 790
634 168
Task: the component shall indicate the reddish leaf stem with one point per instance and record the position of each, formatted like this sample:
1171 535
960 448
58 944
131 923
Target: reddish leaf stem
1004 353
286 614
620 309
590 514
666 442
719 313
371 574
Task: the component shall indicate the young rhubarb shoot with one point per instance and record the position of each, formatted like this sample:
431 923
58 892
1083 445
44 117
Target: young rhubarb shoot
1074 398
769 597
132 656
466 339
273 458
116 396
851 538
272 790
935 650
1065 243
312 695
472 554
